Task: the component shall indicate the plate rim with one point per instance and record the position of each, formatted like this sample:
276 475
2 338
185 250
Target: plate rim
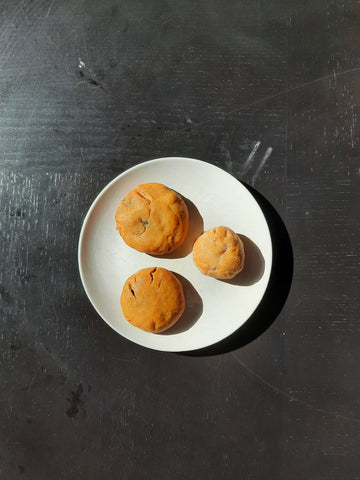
97 199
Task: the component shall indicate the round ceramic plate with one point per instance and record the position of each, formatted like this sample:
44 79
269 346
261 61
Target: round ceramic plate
214 308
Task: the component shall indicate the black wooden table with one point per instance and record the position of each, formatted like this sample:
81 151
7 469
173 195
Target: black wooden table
268 91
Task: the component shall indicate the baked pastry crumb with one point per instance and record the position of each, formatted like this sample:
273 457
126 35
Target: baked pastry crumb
153 299
152 219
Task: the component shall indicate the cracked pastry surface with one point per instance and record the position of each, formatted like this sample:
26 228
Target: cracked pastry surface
153 219
153 299
219 253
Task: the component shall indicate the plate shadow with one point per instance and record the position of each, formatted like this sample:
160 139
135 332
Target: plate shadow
277 290
193 308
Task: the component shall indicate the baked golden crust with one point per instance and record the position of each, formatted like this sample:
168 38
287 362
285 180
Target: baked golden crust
153 299
219 253
153 219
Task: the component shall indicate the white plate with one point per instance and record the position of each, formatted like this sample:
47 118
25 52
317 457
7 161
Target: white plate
215 309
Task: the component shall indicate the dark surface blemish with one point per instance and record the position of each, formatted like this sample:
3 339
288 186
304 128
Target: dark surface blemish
91 81
18 213
25 277
76 402
21 469
94 82
58 200
4 294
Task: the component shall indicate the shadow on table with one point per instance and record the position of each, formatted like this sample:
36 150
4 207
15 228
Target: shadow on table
275 294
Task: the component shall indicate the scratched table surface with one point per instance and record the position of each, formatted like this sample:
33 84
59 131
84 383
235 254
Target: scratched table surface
267 90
